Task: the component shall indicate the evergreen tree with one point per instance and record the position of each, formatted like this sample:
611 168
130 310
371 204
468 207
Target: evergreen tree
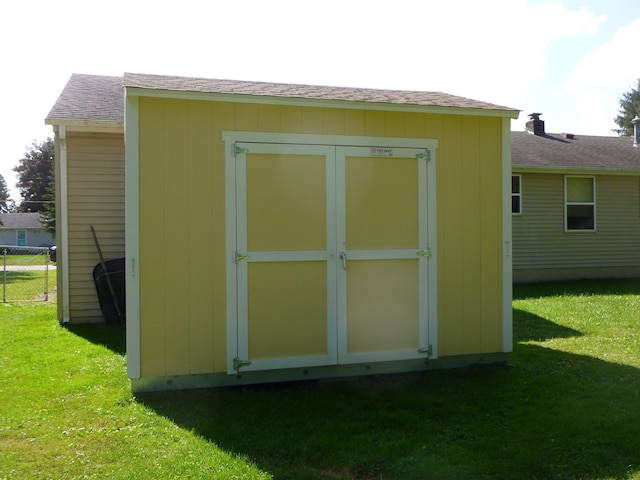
629 108
6 204
35 174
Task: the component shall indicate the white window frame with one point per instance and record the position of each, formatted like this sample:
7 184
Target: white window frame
567 204
519 194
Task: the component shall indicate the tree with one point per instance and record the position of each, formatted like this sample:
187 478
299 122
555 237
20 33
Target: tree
629 108
34 171
6 204
36 182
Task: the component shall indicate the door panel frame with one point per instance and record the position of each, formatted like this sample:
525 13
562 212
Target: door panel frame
291 143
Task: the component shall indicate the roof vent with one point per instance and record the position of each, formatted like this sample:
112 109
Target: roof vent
535 125
568 136
636 131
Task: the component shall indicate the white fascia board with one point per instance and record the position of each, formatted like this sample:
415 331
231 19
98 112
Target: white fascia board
93 126
318 102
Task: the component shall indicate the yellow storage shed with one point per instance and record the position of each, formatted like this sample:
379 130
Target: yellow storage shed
284 232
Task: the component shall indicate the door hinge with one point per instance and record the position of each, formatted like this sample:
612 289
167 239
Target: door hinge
426 155
428 351
425 253
237 363
238 150
238 257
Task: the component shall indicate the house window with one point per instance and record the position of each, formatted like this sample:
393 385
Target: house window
516 194
580 203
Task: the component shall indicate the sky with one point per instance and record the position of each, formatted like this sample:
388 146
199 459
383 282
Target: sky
569 59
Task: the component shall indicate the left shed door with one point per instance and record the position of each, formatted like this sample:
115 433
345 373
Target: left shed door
285 239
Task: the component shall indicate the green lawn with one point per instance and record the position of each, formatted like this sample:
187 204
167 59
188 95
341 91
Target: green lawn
27 260
27 285
566 407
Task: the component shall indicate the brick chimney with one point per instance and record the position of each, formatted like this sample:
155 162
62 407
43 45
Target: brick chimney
535 125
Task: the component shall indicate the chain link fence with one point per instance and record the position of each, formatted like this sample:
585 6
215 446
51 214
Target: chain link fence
27 274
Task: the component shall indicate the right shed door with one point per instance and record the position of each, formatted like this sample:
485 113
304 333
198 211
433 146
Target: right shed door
383 279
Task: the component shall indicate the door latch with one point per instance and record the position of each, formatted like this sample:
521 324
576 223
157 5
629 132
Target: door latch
343 257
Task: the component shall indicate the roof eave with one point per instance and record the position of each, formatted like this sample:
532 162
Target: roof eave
318 102
95 126
574 170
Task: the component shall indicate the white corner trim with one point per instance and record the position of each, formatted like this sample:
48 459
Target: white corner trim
63 216
507 259
132 247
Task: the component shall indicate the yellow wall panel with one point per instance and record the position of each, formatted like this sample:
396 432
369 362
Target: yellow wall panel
152 267
354 122
334 121
472 205
492 242
394 124
312 120
223 118
291 119
451 243
374 124
177 231
182 222
269 118
199 208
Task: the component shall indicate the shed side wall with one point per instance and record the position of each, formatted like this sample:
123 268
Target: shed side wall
182 226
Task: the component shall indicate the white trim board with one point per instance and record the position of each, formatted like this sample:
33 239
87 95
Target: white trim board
132 238
329 140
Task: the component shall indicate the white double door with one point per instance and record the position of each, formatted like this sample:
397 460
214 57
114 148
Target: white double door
330 256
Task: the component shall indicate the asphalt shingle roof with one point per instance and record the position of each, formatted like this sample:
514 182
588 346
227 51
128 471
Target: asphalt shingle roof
101 98
90 97
20 221
401 97
581 151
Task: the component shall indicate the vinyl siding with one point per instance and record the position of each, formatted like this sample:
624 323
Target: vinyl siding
95 186
542 250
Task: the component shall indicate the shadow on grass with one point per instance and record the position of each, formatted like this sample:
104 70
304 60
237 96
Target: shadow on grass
21 276
111 336
532 327
549 415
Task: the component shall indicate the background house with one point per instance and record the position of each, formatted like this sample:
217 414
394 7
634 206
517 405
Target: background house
286 232
576 205
24 230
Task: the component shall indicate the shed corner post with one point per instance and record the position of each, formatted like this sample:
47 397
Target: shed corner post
507 262
132 234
